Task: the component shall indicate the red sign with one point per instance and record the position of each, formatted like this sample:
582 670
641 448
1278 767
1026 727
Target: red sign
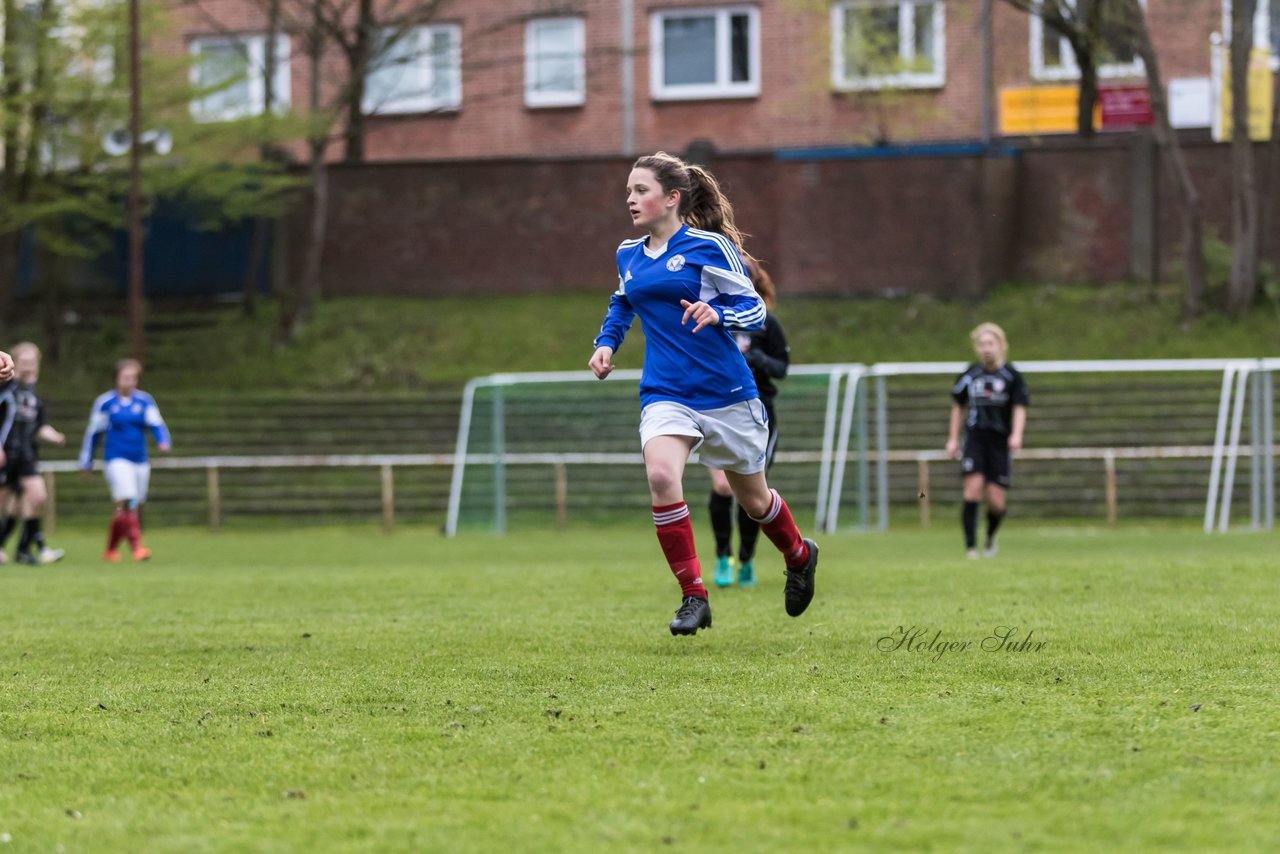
1125 107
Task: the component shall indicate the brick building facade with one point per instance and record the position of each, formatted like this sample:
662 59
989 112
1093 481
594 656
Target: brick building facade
574 78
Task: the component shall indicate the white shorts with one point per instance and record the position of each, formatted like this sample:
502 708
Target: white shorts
735 438
128 481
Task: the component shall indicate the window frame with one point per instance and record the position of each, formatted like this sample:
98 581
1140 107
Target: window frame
724 87
1069 69
535 99
841 79
425 102
256 48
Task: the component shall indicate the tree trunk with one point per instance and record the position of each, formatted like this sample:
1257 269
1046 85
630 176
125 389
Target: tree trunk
309 290
1192 218
10 88
1244 192
1088 91
257 243
296 316
358 60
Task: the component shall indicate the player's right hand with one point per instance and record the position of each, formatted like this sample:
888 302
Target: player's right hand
6 367
953 449
601 363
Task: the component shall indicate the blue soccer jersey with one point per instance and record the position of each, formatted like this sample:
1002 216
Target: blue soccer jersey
125 422
703 370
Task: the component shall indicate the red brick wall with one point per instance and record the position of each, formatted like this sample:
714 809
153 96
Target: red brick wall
941 225
796 107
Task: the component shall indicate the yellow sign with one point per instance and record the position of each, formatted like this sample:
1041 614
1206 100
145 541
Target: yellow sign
1260 93
1031 110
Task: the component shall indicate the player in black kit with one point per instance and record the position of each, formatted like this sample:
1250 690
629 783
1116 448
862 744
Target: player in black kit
768 356
990 399
22 423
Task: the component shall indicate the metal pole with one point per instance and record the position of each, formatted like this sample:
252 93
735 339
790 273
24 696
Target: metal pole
460 456
864 472
987 73
562 494
215 499
135 185
922 483
1255 457
388 499
51 505
627 26
1233 448
1109 464
842 450
1269 451
499 464
1219 444
828 441
882 456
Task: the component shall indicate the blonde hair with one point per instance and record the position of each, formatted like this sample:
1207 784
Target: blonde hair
24 348
702 203
992 329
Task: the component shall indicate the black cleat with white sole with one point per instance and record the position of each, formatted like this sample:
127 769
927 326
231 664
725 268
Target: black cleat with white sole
693 614
798 591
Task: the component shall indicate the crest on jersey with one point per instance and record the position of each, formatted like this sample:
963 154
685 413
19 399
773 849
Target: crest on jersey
676 263
999 386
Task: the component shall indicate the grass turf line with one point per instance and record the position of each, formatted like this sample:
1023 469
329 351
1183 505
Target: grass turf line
337 689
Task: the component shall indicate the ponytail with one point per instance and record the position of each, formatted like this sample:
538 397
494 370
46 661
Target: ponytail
703 204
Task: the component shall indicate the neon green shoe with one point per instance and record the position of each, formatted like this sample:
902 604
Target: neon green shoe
724 572
747 574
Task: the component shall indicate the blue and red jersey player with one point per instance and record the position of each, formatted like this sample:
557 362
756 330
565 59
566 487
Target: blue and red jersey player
122 420
687 283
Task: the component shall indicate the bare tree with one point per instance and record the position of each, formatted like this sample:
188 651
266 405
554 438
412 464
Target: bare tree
1243 284
1090 28
1167 138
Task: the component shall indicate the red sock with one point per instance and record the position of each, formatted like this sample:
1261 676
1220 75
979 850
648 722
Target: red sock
781 530
675 535
131 529
117 530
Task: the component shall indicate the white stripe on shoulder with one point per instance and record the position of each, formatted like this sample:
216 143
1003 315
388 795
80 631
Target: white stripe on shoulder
101 399
634 241
730 253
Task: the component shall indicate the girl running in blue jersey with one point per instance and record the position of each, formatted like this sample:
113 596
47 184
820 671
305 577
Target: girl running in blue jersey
687 282
125 417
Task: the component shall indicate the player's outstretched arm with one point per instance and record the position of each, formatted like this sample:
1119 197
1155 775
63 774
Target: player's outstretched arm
953 431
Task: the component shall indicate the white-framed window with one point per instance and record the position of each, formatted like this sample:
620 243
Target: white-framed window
888 44
418 70
229 71
1053 59
555 62
704 53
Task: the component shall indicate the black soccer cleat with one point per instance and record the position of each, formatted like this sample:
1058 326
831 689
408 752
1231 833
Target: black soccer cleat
798 591
693 614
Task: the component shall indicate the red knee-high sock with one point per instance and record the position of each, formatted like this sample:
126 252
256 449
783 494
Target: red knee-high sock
675 535
117 530
131 529
781 530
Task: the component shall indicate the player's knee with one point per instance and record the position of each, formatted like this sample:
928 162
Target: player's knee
662 478
756 504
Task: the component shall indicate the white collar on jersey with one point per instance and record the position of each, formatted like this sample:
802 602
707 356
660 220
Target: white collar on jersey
657 252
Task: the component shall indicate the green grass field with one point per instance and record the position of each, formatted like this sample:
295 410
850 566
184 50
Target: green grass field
335 689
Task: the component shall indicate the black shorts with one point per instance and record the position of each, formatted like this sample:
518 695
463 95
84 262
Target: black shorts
15 469
987 454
